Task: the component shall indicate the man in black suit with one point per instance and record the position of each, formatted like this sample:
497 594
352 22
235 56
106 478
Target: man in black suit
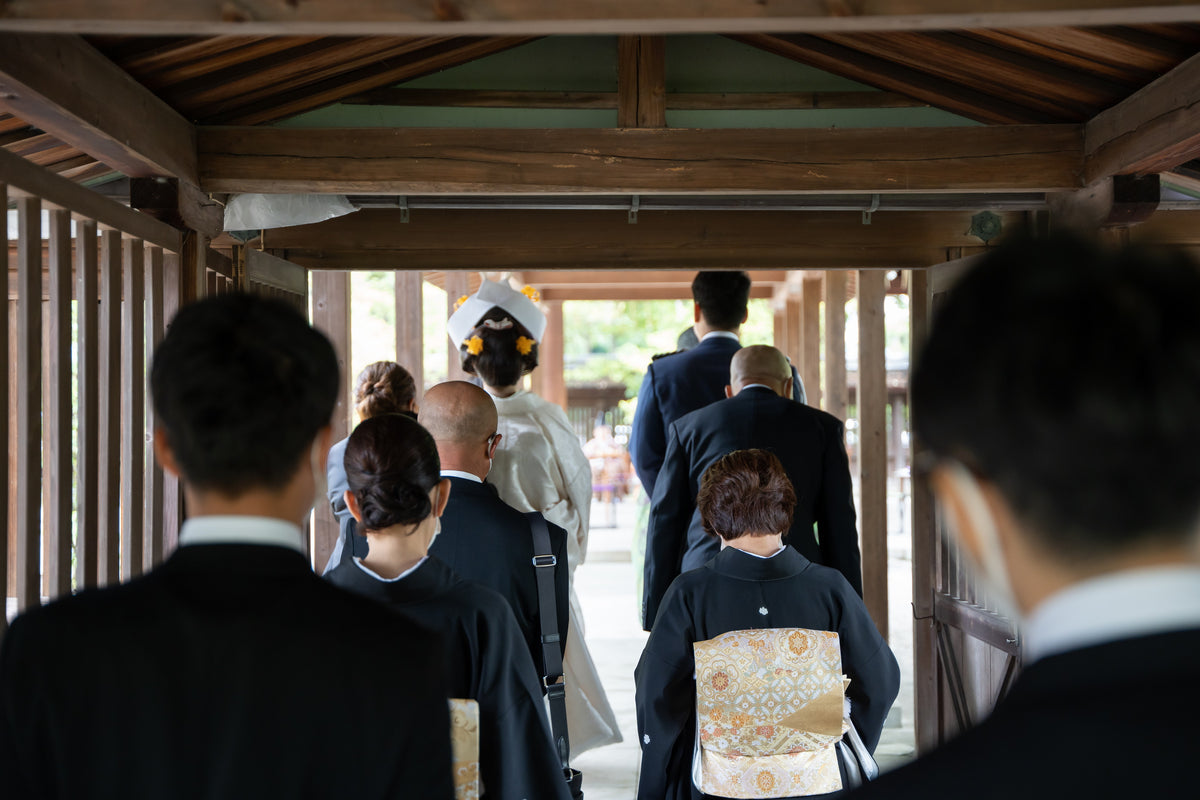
681 382
758 413
1058 397
199 678
483 538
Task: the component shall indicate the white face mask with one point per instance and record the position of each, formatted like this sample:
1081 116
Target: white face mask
320 480
991 568
437 528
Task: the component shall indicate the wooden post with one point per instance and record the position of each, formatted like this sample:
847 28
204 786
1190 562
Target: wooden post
457 284
810 357
872 430
173 510
835 398
410 325
4 451
550 356
641 82
133 407
152 552
779 322
87 519
927 720
795 330
109 515
193 266
331 315
29 401
56 460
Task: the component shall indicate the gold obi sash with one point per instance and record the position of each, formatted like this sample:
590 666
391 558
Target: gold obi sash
464 748
769 712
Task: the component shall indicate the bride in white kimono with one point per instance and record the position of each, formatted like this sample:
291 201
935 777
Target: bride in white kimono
540 466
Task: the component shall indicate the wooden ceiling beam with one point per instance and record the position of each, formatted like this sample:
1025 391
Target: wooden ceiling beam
636 291
64 86
846 62
1154 130
558 279
639 161
525 17
581 241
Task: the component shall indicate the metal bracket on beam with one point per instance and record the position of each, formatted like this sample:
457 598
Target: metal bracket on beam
866 218
633 209
402 202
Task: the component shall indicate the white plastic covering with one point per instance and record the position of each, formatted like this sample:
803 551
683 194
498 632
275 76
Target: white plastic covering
251 212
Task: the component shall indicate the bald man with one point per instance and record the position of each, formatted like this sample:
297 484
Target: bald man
757 413
483 538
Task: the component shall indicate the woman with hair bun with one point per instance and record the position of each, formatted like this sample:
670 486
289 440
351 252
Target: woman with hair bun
397 494
384 387
540 466
755 582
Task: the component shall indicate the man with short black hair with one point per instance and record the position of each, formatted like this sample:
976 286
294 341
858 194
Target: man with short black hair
683 381
1059 396
198 679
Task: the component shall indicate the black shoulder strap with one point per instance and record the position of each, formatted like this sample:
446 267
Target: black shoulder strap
544 563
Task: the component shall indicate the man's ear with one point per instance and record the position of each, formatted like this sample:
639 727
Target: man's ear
443 496
746 316
164 453
695 312
728 391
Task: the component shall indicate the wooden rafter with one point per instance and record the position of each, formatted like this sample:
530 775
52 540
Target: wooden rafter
67 88
1153 130
596 240
524 17
639 161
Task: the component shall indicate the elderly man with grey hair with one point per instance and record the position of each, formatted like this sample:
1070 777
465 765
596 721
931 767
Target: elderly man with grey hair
758 412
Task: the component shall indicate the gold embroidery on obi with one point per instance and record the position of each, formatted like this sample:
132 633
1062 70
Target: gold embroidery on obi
464 748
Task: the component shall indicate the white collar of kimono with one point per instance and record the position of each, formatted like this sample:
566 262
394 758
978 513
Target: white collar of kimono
242 530
720 335
358 563
466 476
1123 605
756 555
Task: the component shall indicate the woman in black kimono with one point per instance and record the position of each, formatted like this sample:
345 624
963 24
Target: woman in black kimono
397 494
754 582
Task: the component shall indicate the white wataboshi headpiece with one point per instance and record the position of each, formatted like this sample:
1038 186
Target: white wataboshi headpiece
517 304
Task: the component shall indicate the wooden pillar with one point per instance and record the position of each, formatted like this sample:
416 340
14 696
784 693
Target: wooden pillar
795 332
924 549
173 510
28 478
87 292
553 384
133 408
331 315
779 322
410 326
835 398
56 459
194 267
152 547
641 82
4 449
810 338
457 284
872 429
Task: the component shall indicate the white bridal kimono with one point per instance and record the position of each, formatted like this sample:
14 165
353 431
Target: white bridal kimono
540 466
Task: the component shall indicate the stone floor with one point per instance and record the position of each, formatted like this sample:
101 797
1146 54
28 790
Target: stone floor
605 584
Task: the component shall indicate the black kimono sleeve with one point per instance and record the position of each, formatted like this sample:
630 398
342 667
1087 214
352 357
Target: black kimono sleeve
665 699
871 666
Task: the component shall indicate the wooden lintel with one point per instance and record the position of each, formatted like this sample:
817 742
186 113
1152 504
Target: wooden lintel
24 178
422 18
634 291
680 101
64 86
640 161
1153 130
660 279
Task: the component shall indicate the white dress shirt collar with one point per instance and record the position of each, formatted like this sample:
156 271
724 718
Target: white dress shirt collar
720 335
242 530
1123 605
466 476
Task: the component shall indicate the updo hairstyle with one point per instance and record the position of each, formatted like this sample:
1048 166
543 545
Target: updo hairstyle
391 466
747 491
384 387
500 362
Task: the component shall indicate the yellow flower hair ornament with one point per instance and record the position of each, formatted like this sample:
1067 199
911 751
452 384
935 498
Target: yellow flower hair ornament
532 293
524 345
459 302
474 345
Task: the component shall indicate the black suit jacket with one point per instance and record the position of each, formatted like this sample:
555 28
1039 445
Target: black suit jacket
1116 720
485 540
201 679
811 445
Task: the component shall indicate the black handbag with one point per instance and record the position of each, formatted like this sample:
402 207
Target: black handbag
544 564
